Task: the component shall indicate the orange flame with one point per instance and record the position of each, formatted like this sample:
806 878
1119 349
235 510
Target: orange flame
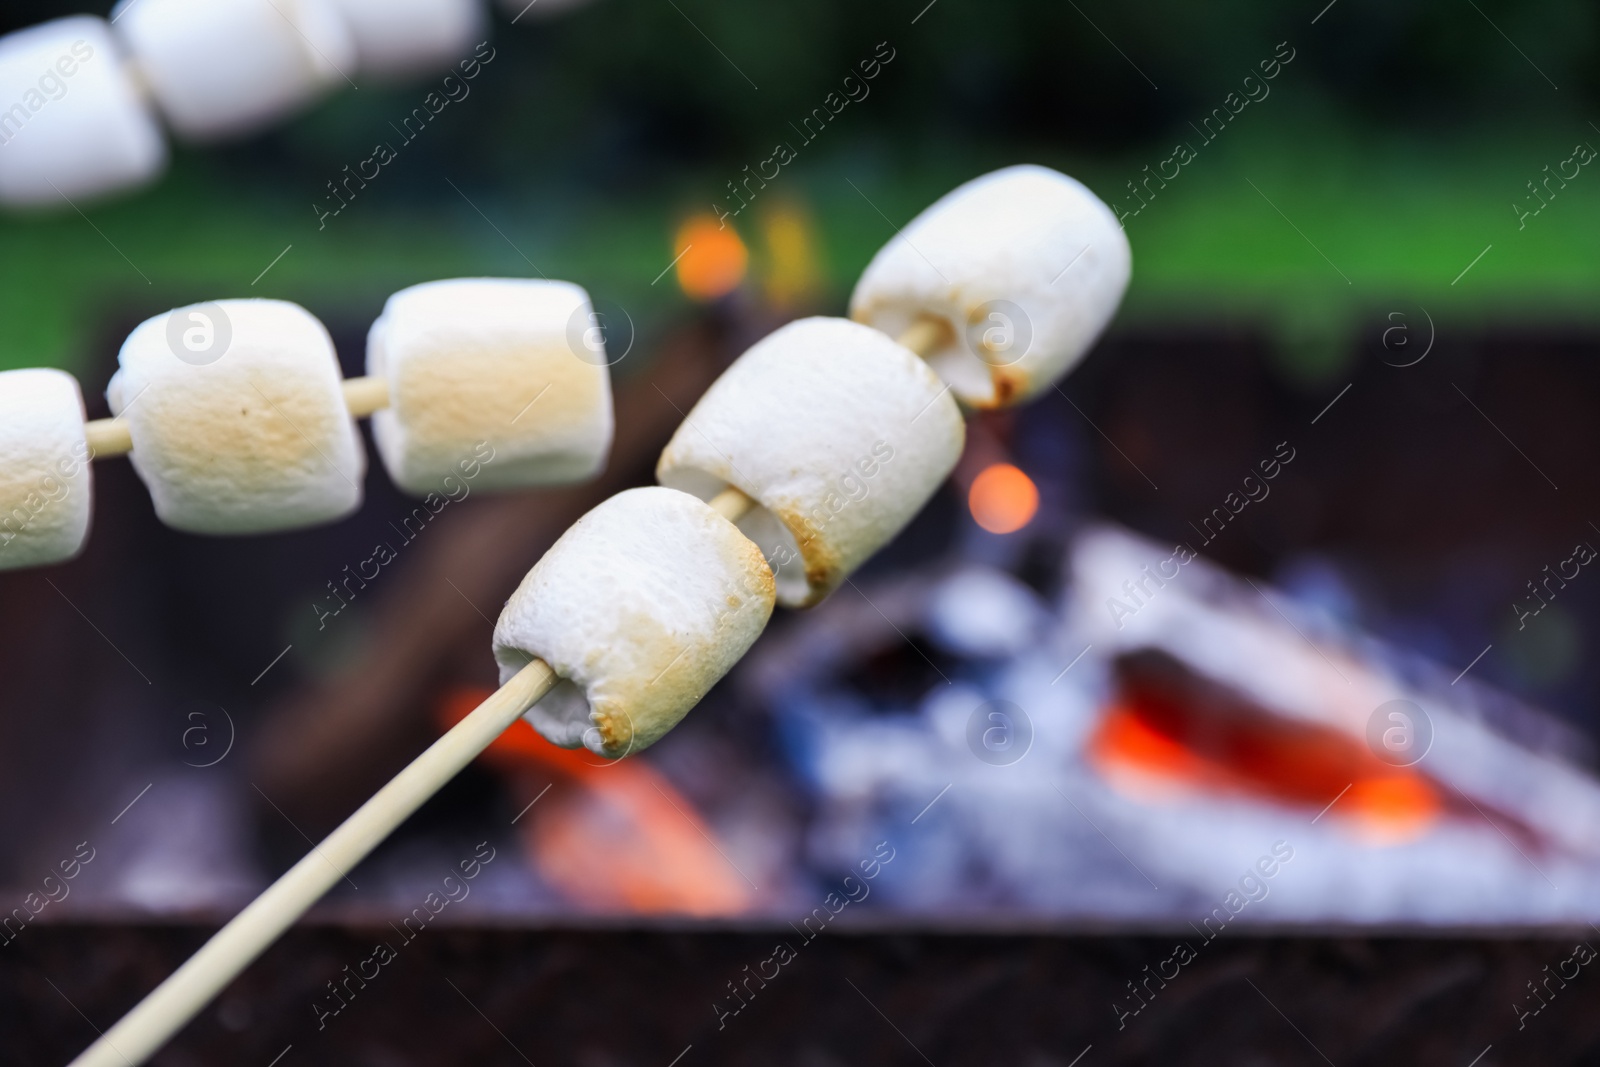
612 836
1003 499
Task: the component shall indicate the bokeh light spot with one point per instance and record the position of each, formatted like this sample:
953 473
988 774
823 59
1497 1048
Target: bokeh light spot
711 258
1003 499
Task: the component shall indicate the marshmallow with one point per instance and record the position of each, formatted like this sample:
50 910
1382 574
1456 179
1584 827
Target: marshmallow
238 418
512 363
1025 266
399 38
45 480
840 434
219 68
640 607
72 123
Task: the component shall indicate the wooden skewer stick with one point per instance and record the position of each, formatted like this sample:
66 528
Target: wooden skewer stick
926 334
191 987
732 503
363 396
170 1006
110 437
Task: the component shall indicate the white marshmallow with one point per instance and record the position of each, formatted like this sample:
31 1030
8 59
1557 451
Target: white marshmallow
46 486
400 38
219 68
640 607
502 361
246 431
1025 265
72 123
840 434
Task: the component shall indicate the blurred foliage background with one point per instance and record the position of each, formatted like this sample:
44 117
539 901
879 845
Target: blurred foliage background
1389 154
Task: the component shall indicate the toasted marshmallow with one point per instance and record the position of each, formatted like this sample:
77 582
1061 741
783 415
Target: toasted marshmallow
840 434
72 122
46 486
222 68
511 367
400 38
1024 266
238 418
641 607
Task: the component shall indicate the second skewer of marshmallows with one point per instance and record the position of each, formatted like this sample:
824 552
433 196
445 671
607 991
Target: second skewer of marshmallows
82 98
238 421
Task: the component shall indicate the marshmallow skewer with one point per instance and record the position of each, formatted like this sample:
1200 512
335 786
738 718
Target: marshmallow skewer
192 986
111 437
205 70
660 585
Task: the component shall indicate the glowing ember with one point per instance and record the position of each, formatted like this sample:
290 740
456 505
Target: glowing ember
711 258
1003 499
611 836
1157 746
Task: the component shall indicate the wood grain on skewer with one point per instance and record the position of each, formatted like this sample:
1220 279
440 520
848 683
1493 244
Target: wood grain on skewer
175 1001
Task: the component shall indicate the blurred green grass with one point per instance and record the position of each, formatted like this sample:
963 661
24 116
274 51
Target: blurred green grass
1394 219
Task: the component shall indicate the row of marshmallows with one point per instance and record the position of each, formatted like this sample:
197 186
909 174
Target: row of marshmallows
79 95
652 596
257 432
